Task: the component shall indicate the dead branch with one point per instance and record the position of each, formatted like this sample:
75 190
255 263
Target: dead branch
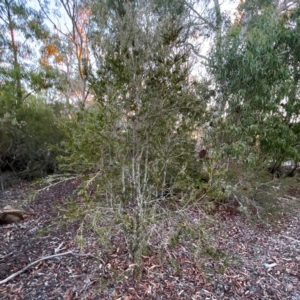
206 21
39 260
4 256
195 51
290 238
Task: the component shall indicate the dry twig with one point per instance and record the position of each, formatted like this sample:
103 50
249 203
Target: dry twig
37 261
4 256
290 238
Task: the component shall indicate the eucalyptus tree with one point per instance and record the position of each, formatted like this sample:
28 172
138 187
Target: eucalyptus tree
70 20
20 27
27 124
257 68
207 22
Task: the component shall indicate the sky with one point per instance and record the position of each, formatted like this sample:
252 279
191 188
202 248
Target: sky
227 6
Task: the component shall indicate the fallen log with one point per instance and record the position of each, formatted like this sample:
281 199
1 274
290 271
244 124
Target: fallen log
10 214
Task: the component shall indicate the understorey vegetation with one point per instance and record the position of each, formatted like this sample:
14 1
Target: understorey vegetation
117 103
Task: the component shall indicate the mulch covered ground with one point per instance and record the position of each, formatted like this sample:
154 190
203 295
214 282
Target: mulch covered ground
263 262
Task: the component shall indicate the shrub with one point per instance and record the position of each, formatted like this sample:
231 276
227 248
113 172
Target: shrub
27 135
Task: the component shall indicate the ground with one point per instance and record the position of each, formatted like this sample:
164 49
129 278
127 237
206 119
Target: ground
247 261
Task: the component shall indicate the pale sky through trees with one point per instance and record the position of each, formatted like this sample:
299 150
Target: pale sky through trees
64 25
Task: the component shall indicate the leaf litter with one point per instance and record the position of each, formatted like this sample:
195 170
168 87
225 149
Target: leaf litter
247 261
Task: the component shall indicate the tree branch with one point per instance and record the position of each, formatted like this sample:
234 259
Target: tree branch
50 20
210 24
39 260
28 94
195 51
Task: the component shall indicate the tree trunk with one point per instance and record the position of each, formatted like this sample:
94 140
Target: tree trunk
15 54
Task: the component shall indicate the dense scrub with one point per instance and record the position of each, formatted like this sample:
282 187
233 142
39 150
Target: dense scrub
28 134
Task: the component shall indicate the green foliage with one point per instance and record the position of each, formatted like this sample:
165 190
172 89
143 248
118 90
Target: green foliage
20 26
257 75
27 134
256 193
134 143
46 78
174 8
